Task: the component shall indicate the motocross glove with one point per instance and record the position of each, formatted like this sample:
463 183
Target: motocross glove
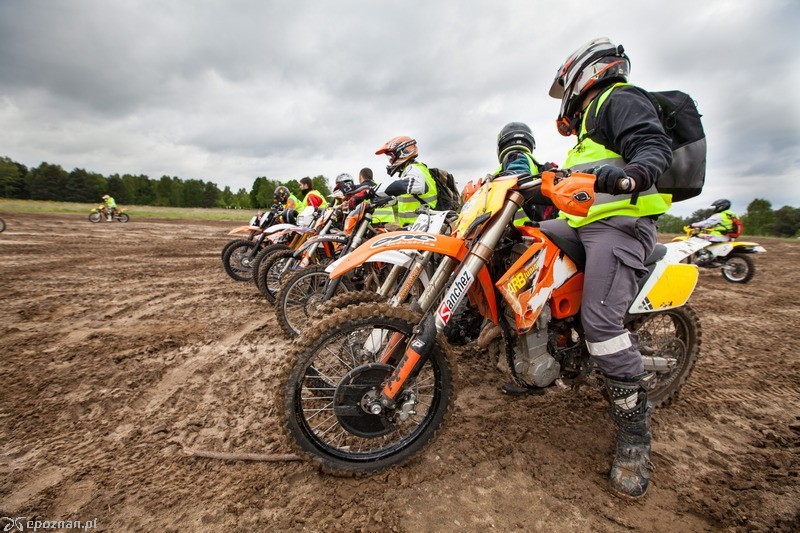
612 180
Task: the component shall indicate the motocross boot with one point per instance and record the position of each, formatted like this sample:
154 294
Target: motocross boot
631 468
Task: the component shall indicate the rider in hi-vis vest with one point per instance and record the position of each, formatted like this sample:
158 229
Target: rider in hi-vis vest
515 144
415 183
618 233
311 197
719 224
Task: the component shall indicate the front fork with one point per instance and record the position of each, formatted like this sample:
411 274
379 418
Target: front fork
422 342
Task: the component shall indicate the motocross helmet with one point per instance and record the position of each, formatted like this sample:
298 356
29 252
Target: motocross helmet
344 183
596 64
106 197
721 205
400 151
281 194
513 136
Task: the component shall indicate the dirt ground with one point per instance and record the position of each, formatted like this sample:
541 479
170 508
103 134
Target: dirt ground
124 344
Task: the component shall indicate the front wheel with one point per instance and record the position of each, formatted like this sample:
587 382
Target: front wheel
237 260
738 268
95 217
671 338
332 383
301 295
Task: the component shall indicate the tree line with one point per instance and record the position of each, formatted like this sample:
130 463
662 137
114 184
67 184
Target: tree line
759 219
51 182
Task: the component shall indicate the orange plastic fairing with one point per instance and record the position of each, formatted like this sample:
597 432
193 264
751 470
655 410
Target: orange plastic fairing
573 195
243 230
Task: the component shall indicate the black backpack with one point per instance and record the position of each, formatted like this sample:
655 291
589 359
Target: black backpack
678 113
447 196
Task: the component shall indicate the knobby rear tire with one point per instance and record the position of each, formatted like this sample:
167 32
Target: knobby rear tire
745 268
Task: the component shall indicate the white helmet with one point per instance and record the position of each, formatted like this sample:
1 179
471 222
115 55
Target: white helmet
595 64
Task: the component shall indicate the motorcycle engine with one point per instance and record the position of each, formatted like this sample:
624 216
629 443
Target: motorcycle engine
533 363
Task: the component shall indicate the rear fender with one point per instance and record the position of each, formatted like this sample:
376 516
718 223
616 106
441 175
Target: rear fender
748 247
677 251
669 285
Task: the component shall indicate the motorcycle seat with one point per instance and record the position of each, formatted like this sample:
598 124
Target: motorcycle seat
572 247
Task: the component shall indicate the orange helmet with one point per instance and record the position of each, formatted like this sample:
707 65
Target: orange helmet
400 150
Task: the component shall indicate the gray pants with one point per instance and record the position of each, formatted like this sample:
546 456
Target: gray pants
616 248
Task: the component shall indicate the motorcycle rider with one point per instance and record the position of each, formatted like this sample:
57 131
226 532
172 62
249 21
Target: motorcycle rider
110 206
311 197
515 145
289 201
719 224
618 232
365 191
414 183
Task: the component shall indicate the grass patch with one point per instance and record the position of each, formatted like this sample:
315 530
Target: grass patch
141 211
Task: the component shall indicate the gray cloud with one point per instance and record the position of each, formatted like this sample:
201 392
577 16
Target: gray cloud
231 90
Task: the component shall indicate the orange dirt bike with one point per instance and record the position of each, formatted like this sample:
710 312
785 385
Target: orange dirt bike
100 214
275 262
371 387
733 258
241 258
303 294
253 229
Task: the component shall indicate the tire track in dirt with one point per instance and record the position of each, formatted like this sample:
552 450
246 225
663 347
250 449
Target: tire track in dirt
174 378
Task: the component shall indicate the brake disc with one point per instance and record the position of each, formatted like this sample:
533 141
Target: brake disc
357 390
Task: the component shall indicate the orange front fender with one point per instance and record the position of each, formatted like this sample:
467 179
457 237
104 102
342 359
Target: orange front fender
423 242
244 230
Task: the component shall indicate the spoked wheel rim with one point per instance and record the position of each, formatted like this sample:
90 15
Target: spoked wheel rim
323 401
736 268
240 261
666 334
302 298
277 273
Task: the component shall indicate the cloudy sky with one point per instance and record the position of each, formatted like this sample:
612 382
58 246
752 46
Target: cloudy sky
229 90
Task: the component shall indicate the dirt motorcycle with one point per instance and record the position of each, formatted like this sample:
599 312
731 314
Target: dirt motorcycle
303 294
371 387
733 258
277 261
101 214
240 258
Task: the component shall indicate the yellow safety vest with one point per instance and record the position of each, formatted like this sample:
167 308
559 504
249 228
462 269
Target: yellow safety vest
304 203
407 204
588 154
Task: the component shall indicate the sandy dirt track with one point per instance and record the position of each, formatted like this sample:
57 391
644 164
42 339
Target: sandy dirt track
123 344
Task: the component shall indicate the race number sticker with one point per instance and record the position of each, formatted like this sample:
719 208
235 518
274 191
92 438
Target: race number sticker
455 295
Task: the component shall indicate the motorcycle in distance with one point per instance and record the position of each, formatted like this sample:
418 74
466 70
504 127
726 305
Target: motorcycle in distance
370 389
302 295
733 258
100 214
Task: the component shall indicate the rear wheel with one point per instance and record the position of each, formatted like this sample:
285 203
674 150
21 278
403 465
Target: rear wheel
331 392
672 337
2 225
237 260
738 268
123 217
301 295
